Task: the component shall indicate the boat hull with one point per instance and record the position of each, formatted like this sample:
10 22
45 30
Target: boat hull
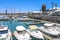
6 36
51 35
22 37
36 35
34 38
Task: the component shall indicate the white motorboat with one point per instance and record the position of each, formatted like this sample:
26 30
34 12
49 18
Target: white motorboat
49 30
5 33
21 33
57 27
35 33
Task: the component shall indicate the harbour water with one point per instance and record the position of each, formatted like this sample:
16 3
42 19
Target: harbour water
12 25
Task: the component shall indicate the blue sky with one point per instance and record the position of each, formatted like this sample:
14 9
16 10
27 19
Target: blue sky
25 5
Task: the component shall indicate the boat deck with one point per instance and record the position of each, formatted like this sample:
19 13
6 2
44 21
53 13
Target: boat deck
50 38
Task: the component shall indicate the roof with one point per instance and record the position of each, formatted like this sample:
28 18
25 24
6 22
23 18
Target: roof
20 28
33 27
49 24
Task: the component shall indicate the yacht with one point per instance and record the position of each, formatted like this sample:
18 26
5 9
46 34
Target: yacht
35 33
5 33
57 27
21 33
49 30
54 12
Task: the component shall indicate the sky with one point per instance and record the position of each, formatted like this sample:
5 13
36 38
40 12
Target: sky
25 5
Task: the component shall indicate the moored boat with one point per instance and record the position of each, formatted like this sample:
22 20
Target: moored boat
21 33
35 33
5 33
48 29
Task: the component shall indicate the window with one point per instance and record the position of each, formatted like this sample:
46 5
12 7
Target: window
3 31
21 32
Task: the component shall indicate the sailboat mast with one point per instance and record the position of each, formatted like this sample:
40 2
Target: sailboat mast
14 10
52 6
6 10
56 5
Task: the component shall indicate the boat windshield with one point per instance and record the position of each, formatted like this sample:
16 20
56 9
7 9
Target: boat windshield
3 31
21 32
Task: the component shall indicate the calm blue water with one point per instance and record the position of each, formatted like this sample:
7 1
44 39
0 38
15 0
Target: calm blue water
12 25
